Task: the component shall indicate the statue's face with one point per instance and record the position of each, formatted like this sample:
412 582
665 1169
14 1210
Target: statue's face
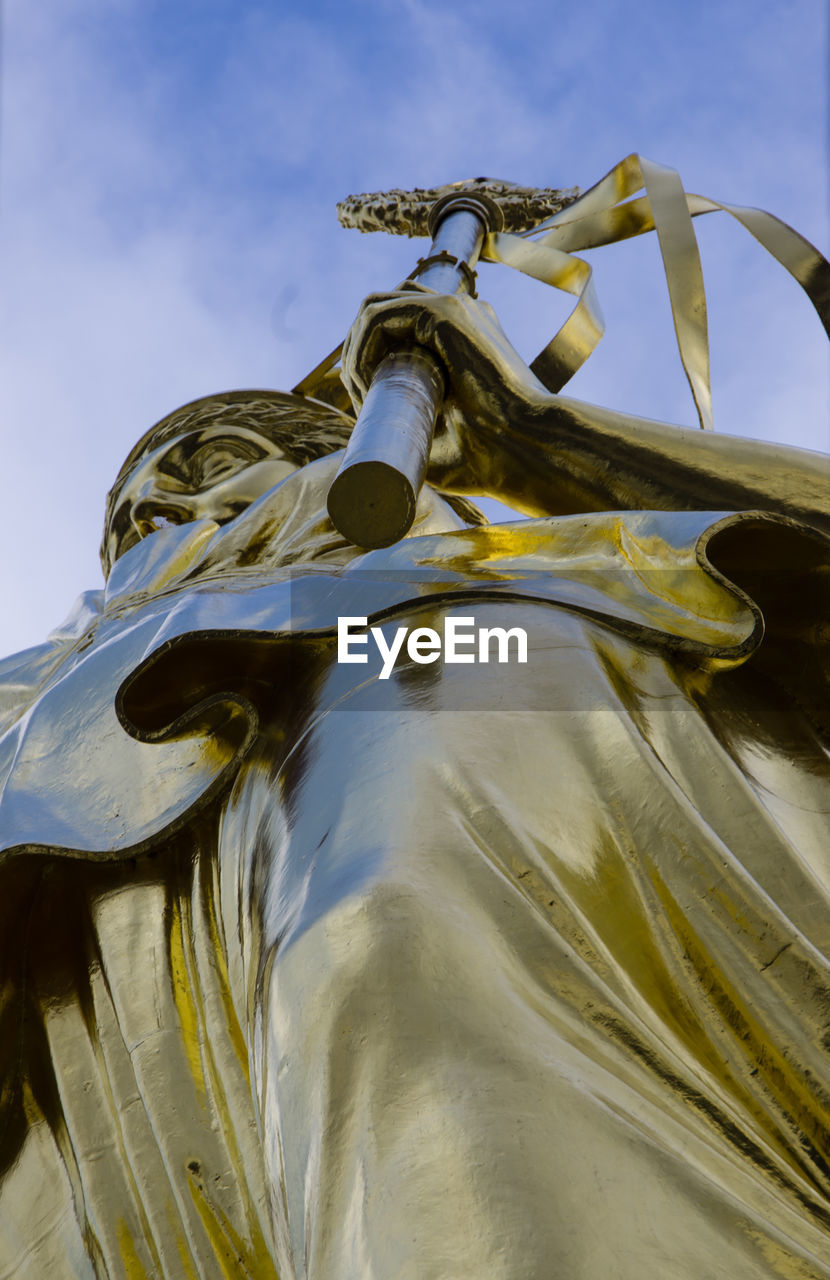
215 471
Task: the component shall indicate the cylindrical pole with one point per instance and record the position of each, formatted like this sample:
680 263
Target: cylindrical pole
373 496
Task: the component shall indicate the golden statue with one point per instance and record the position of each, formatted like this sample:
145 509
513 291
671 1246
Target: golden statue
333 955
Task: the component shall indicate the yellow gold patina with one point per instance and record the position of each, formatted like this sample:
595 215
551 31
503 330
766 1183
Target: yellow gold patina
505 971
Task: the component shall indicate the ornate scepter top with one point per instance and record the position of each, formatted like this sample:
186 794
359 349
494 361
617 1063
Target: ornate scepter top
406 213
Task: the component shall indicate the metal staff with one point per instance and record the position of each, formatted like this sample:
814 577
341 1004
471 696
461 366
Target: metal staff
373 496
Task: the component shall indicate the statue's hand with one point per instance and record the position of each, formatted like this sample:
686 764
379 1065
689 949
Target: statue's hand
490 388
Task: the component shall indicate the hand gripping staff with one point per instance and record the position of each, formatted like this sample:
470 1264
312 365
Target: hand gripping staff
372 499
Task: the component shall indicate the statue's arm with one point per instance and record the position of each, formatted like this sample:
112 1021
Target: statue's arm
504 435
578 457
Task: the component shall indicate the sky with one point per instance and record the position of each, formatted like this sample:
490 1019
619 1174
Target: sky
169 171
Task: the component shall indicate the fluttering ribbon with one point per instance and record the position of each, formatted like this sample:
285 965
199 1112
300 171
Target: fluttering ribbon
606 214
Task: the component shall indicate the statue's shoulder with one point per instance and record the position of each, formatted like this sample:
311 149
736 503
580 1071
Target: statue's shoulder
73 780
25 675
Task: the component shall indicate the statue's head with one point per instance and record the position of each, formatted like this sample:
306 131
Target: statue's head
215 456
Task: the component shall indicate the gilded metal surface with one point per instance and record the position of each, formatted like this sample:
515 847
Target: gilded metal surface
491 970
407 212
610 211
373 497
607 213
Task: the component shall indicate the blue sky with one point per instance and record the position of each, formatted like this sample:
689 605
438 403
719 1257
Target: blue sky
169 172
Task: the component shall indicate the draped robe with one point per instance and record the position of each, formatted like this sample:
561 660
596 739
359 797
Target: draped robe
511 970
